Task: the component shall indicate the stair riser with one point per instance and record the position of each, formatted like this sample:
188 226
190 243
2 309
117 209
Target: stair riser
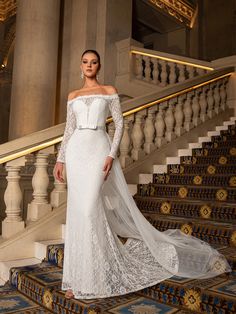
201 169
213 234
226 181
187 193
187 210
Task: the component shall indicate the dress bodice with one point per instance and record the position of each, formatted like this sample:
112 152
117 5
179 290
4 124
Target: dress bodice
91 111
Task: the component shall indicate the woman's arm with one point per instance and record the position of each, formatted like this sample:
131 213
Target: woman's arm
69 130
115 109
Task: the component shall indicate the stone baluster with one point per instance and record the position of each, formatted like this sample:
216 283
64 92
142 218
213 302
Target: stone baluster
181 77
188 125
179 116
203 105
163 73
40 181
139 67
13 222
160 127
196 108
210 102
137 136
155 72
149 130
191 71
200 71
170 121
216 96
125 143
172 74
222 95
147 69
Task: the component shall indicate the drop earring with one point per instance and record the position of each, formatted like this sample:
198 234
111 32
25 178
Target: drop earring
82 75
97 76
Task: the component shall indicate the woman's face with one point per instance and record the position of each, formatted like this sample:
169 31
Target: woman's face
89 64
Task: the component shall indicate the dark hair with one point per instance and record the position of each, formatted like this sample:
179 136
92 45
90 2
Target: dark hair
93 51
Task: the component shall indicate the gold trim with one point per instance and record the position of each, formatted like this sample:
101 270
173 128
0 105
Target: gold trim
186 229
179 9
223 160
171 60
183 192
211 169
197 180
232 181
30 150
192 300
205 211
126 113
165 208
221 195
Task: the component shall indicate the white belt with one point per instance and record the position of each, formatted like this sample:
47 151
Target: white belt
91 126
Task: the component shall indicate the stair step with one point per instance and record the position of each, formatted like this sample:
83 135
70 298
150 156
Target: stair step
196 169
203 139
132 188
219 233
172 160
213 133
233 119
194 145
160 168
222 128
145 178
227 123
197 209
40 247
7 265
184 152
223 180
176 293
189 192
213 160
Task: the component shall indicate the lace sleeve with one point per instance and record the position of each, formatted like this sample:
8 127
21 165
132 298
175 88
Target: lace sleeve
69 129
115 109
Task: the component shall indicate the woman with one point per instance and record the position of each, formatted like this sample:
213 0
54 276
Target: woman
100 207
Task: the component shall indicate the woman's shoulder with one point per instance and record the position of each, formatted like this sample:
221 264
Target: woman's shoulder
110 89
104 89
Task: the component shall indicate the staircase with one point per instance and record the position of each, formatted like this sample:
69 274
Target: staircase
193 189
202 205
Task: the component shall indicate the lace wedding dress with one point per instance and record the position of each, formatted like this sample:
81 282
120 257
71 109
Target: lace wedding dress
96 263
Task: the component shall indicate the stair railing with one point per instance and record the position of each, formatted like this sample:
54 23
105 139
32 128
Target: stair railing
149 122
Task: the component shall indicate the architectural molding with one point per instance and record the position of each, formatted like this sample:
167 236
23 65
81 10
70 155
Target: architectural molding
181 10
7 9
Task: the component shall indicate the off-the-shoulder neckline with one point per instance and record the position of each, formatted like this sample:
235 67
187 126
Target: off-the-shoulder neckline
91 95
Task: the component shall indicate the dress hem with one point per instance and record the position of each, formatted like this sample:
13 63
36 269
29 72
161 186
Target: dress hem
113 295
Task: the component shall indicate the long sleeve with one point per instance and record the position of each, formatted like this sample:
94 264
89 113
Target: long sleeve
69 130
115 109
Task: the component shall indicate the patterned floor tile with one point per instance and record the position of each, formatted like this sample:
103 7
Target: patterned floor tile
228 288
143 306
15 303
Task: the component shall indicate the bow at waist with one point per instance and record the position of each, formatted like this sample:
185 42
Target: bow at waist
91 126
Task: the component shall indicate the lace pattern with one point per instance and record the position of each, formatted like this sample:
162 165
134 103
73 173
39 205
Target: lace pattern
69 130
109 268
115 109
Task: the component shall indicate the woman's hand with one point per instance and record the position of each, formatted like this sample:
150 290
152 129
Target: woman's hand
107 166
58 169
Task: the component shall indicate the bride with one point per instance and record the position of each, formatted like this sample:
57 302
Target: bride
100 207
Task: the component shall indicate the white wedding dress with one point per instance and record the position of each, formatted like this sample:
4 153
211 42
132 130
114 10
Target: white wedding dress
96 263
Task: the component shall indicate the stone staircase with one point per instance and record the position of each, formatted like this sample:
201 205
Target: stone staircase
196 194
